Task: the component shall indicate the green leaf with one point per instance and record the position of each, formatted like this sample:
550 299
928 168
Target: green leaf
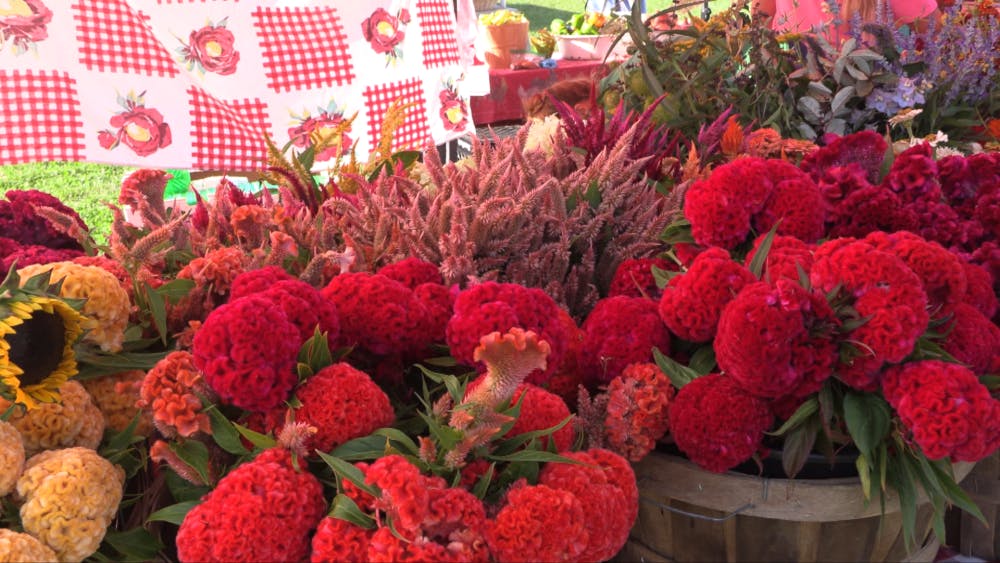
805 412
174 513
441 361
347 471
158 309
315 352
593 195
992 382
224 433
662 277
703 360
760 257
259 440
868 419
483 484
399 436
454 386
798 445
865 474
175 290
446 436
905 484
532 455
953 491
680 375
136 544
194 454
361 449
125 438
345 508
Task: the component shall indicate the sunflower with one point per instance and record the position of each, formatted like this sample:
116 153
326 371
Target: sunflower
37 333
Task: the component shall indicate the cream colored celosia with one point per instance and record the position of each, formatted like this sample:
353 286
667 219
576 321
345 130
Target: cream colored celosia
69 498
115 396
107 306
542 134
11 459
76 421
23 548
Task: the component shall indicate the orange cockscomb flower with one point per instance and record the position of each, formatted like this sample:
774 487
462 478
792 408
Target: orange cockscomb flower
170 390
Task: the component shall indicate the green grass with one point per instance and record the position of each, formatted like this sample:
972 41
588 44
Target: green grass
81 185
541 12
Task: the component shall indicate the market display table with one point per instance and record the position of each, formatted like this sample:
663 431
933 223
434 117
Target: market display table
509 87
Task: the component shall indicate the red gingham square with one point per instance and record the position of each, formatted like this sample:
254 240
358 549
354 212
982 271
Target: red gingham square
112 37
303 47
40 117
437 21
414 131
242 123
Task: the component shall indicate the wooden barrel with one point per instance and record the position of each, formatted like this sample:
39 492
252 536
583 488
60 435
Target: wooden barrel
983 485
688 514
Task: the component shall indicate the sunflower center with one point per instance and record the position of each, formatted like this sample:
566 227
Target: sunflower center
37 346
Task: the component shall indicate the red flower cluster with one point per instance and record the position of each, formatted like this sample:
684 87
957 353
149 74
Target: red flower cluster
865 149
913 175
340 402
26 255
692 302
979 289
636 418
784 259
940 271
257 281
339 541
434 522
882 289
412 272
620 331
498 307
606 507
20 221
247 351
973 339
539 523
264 510
379 315
947 411
795 201
541 409
721 206
171 391
634 277
716 423
306 309
771 340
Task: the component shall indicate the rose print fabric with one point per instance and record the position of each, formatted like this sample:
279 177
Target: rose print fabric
197 84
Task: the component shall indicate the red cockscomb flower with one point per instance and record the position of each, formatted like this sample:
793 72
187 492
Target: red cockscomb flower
20 221
636 418
412 272
341 402
776 341
306 309
379 315
885 292
498 307
865 149
947 411
604 504
539 523
264 510
721 206
27 255
692 302
979 289
256 281
913 175
620 331
634 277
247 351
940 271
339 541
795 201
973 339
716 423
785 259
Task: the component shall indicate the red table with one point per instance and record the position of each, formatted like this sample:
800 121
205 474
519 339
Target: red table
509 87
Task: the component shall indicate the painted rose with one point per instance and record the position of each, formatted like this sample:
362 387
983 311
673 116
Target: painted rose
323 124
212 47
139 128
454 114
24 21
383 31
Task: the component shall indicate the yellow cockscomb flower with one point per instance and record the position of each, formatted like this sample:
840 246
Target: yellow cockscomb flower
69 498
107 305
37 334
16 547
74 421
11 458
